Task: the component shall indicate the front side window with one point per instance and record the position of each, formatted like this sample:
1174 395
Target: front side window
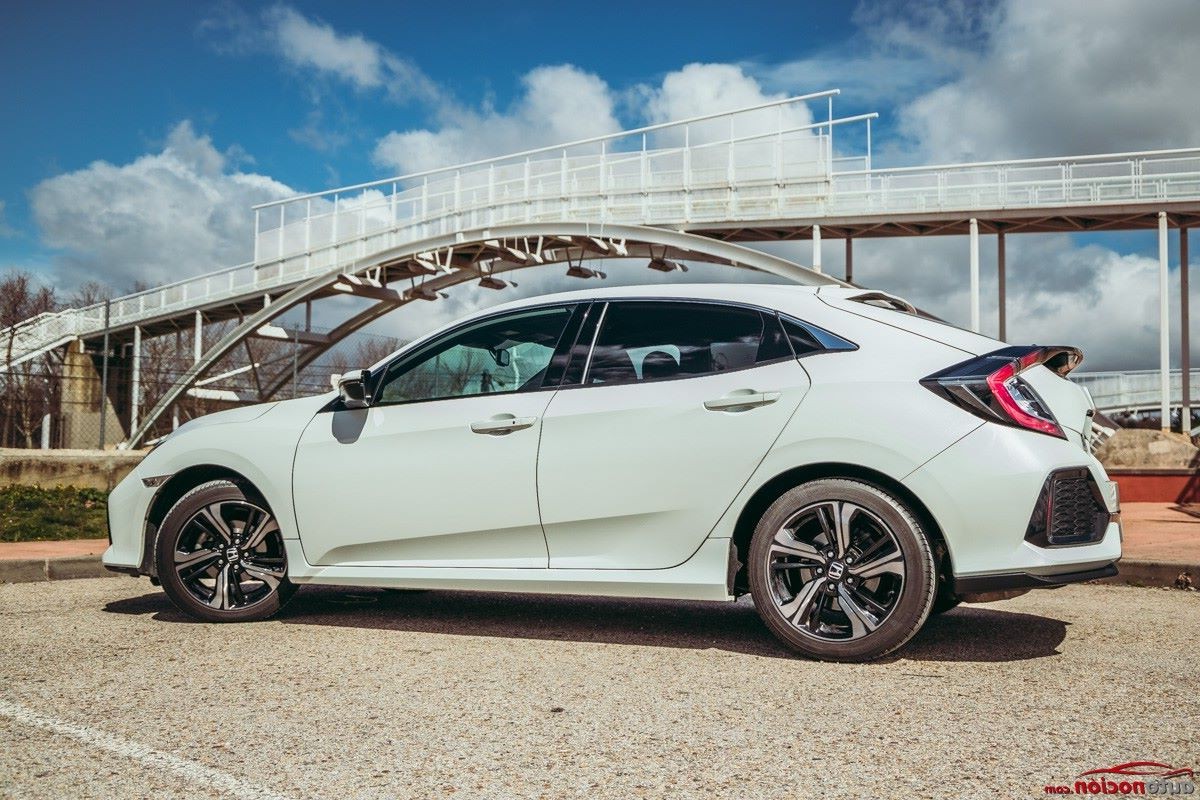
652 341
502 354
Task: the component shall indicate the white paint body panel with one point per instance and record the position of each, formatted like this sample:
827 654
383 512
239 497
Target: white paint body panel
620 466
412 485
640 489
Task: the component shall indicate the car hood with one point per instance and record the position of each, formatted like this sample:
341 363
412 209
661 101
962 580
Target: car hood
243 414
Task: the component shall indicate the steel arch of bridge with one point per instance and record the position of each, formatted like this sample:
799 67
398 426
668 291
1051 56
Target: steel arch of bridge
441 262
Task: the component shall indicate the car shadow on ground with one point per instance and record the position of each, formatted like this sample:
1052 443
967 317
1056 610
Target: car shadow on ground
967 634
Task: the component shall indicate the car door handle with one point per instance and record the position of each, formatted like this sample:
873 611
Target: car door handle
502 424
742 400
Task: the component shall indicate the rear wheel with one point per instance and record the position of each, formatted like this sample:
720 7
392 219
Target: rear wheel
221 556
841 570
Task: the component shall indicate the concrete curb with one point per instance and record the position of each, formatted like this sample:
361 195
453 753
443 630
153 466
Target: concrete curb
28 570
1152 573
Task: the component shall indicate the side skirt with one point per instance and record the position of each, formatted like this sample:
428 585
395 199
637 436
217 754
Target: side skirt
701 577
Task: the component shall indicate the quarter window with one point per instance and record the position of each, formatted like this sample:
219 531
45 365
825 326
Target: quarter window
506 354
651 341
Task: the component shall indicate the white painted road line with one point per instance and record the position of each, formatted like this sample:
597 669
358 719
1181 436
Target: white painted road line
193 771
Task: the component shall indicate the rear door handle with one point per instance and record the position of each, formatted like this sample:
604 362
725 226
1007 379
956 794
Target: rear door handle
502 424
742 400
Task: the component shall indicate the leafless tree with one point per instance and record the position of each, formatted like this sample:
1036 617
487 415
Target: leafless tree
27 390
89 293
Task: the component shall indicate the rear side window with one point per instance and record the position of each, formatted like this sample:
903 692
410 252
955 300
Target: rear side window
805 338
652 341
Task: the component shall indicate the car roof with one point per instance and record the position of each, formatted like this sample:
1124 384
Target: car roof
765 294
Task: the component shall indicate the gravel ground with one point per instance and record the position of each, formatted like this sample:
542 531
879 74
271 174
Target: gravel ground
107 692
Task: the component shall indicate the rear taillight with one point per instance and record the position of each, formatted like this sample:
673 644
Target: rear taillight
991 387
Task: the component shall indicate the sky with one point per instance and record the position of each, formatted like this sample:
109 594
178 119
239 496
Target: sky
138 134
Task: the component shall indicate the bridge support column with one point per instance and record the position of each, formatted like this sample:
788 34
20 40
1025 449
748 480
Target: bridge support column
816 242
974 274
849 259
135 384
1185 346
1164 325
1001 287
198 338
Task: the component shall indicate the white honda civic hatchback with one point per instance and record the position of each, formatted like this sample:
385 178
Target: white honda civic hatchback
851 464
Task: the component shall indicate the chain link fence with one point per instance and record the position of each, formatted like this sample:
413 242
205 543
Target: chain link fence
84 396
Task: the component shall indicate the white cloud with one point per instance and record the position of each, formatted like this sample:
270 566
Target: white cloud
563 103
311 44
182 211
1062 77
313 47
698 89
556 104
6 230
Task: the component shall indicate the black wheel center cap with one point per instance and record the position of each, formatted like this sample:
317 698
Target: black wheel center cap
836 570
232 554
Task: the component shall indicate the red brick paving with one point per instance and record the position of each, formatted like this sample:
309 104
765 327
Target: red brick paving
73 547
1161 532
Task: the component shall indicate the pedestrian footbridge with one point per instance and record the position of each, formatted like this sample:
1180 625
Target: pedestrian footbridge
698 189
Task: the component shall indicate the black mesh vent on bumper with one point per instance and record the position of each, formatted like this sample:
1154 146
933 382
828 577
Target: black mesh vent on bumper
1069 510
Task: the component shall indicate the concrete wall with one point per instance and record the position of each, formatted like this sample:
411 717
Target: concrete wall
89 469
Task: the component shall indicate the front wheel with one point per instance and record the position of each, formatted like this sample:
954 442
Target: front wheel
221 556
841 570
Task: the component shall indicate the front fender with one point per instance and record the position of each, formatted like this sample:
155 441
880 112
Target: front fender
261 450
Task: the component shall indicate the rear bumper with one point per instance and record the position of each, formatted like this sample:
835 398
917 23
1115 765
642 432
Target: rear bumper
982 492
1008 581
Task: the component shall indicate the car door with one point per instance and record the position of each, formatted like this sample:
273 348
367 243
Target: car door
678 405
439 470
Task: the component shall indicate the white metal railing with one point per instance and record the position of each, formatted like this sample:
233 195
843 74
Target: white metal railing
1152 176
1135 389
763 163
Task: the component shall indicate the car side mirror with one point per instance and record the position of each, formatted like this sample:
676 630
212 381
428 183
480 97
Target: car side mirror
352 386
502 357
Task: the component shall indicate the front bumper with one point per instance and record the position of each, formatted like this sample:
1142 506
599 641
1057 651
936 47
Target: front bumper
128 504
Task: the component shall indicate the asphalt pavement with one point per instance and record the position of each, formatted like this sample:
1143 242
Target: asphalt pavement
106 691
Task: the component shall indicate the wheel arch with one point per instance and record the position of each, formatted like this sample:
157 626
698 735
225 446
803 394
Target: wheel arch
774 488
169 494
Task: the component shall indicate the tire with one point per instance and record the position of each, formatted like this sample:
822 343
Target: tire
867 609
220 555
944 600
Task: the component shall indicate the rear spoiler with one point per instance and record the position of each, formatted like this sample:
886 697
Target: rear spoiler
885 300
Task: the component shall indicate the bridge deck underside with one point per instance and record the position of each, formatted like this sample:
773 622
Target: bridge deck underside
1065 220
1043 220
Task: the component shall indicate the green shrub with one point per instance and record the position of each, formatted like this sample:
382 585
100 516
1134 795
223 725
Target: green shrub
30 514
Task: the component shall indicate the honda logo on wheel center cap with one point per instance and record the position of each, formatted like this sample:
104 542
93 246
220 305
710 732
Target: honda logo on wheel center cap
836 569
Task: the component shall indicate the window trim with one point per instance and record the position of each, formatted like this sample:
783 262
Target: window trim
852 346
587 362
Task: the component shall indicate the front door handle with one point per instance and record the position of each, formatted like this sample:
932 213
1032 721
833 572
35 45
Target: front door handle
502 424
742 400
